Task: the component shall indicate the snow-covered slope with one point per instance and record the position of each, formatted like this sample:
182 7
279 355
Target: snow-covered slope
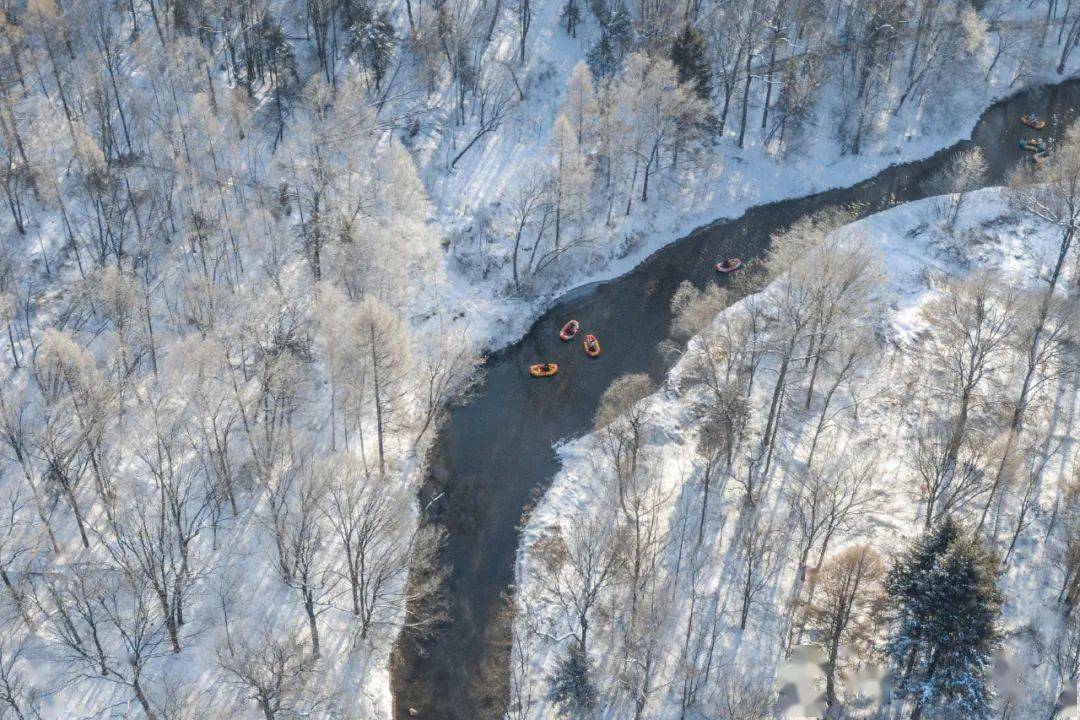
699 660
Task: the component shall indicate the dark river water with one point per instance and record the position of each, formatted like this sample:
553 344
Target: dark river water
494 452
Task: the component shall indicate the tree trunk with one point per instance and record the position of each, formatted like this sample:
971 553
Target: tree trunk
309 608
746 93
141 697
378 402
769 75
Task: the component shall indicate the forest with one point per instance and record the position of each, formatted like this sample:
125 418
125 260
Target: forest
254 252
864 500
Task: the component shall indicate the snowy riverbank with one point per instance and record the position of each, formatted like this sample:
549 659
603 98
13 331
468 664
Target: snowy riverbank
722 182
875 419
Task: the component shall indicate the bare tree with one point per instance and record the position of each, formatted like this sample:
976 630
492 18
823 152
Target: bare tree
447 369
570 181
117 297
18 694
266 357
1055 198
1064 656
936 44
159 535
1036 460
834 499
296 512
842 294
57 446
1045 330
740 694
577 562
136 635
759 559
270 671
525 686
694 657
693 310
620 420
641 500
963 173
971 321
849 588
530 213
728 353
382 353
71 387
644 642
424 592
947 478
870 38
721 434
210 421
17 550
842 366
805 302
657 110
495 99
1069 595
16 436
369 527
76 624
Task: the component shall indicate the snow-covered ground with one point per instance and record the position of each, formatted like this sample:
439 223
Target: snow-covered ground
876 422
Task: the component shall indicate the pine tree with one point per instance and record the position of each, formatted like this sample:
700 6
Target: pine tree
616 36
571 16
377 40
944 605
571 685
689 55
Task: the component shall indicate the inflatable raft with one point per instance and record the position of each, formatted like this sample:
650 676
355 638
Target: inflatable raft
1036 145
1033 121
542 370
569 330
729 265
592 346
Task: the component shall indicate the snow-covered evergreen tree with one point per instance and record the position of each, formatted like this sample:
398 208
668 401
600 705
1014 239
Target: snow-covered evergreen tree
944 604
571 686
690 56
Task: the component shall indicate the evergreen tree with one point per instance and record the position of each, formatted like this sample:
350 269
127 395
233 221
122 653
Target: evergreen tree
376 40
616 36
571 15
944 604
355 13
572 689
688 53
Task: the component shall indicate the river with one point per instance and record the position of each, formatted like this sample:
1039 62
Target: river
494 454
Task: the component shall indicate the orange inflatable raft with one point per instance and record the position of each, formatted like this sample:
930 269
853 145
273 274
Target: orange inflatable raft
1033 121
729 265
592 346
542 370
